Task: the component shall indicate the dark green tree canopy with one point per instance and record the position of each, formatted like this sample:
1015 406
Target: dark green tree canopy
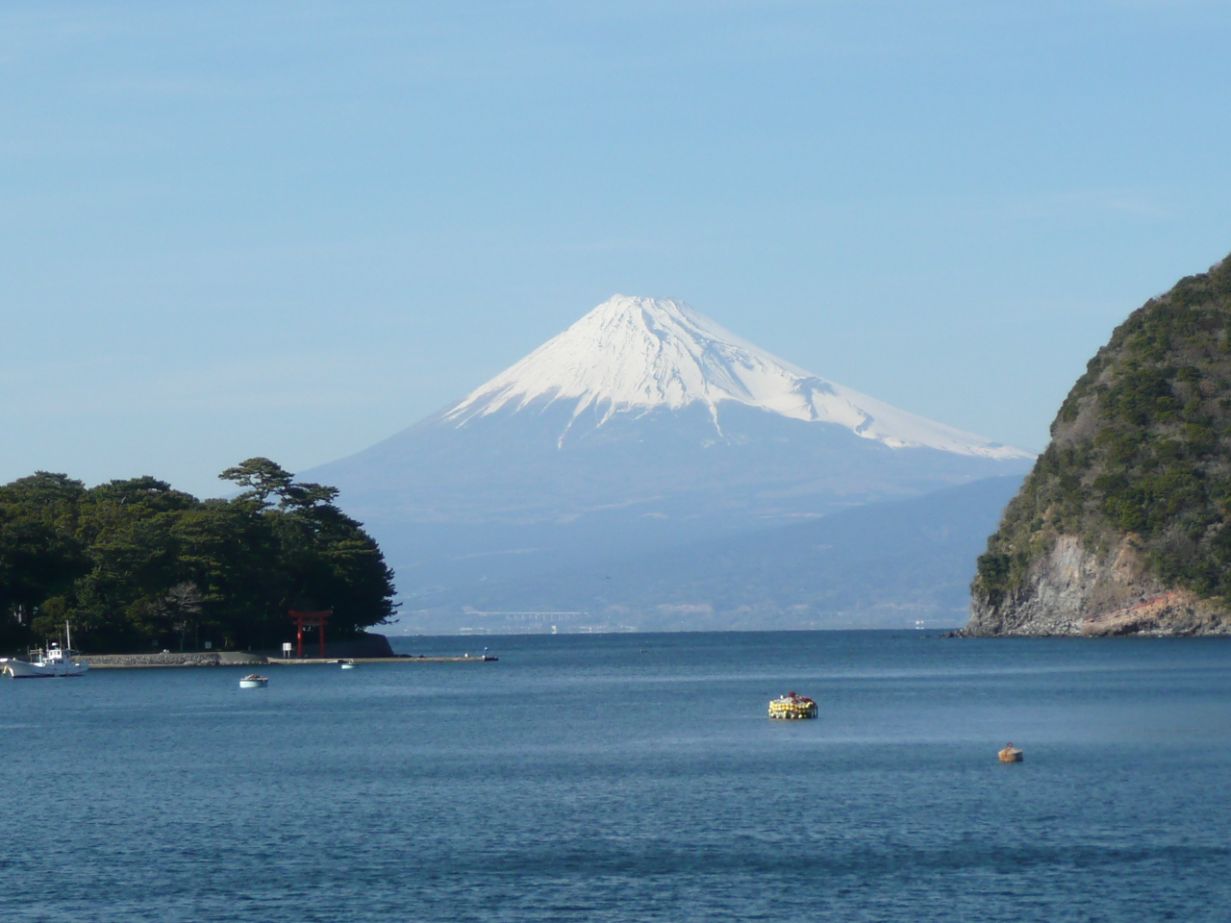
135 563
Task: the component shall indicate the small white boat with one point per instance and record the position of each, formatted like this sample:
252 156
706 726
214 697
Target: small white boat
44 664
253 681
348 665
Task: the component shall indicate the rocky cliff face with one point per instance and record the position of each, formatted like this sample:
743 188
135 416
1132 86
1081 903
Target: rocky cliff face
1074 591
1124 525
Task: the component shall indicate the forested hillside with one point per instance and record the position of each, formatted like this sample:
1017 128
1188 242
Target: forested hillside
1138 472
135 564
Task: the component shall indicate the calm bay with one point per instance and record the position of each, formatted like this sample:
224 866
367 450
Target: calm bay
633 777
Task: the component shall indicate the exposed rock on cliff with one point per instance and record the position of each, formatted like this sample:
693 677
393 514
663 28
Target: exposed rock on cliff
1075 591
1124 525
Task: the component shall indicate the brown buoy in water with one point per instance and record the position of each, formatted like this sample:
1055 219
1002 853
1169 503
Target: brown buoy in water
1010 754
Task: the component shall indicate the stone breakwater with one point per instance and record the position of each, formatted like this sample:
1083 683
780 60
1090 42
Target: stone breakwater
150 661
366 646
167 659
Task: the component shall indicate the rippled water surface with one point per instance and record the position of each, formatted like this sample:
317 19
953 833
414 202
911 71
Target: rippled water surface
632 777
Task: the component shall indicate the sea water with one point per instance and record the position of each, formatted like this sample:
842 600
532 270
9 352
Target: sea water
632 777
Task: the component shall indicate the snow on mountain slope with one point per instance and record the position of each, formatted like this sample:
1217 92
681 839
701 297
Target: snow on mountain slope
633 355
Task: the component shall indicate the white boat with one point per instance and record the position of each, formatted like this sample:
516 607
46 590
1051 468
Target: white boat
55 661
253 681
348 665
46 664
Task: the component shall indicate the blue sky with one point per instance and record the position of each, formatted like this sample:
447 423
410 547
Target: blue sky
292 229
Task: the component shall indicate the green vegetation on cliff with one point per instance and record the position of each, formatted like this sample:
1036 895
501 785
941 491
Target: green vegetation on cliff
134 564
1141 448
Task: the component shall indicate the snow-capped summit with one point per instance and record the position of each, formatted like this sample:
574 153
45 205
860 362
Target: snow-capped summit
647 440
634 354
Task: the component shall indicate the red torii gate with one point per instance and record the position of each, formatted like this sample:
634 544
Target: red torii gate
316 620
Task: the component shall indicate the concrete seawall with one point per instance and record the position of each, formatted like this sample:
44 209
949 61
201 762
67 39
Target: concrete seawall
232 659
141 661
366 648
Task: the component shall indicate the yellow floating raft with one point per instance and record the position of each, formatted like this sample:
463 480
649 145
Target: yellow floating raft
792 706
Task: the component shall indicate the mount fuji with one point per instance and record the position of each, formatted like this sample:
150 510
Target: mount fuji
637 355
636 442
